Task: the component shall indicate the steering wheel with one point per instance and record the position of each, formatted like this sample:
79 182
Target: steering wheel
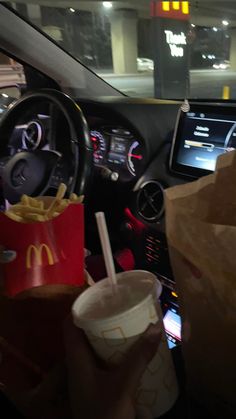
37 172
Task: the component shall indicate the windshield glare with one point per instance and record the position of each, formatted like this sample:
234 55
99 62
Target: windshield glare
147 48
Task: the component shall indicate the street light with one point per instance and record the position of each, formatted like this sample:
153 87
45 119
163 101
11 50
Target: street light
225 22
214 29
107 4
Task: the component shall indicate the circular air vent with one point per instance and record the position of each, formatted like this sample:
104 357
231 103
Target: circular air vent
150 201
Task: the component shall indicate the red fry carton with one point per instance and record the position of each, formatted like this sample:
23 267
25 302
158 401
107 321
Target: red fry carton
50 252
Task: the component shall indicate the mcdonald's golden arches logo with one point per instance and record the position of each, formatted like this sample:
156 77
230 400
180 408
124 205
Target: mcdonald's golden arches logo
34 255
170 9
183 6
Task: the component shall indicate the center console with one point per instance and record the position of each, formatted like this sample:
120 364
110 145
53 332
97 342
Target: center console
201 134
157 261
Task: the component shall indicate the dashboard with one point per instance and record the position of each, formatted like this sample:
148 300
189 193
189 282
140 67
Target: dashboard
177 146
138 141
116 148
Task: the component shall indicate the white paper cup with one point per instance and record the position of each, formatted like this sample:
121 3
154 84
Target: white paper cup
111 335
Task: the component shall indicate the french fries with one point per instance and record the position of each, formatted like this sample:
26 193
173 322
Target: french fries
31 210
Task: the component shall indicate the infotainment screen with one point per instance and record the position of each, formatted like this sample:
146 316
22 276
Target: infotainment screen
201 135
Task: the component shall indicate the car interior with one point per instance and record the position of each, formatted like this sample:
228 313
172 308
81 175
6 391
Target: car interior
69 125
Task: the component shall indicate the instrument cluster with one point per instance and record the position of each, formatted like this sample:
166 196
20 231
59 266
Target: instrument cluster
119 150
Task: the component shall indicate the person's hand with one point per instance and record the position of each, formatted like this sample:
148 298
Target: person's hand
101 392
48 400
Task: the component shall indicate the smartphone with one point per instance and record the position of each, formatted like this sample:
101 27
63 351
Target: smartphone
172 324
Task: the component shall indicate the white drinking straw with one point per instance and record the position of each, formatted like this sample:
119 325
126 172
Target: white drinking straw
106 247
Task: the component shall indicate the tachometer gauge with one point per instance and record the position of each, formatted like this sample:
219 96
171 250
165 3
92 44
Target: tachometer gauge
99 146
135 157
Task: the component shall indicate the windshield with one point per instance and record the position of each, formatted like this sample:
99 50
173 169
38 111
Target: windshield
147 48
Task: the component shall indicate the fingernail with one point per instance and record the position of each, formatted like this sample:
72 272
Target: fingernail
153 333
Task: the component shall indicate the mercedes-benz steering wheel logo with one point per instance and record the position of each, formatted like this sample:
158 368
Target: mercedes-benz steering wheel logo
32 135
19 173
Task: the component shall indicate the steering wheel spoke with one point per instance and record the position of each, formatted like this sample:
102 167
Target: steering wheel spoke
60 174
3 163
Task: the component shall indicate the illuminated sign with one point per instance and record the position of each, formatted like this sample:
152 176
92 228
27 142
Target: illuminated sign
170 38
37 251
174 40
170 9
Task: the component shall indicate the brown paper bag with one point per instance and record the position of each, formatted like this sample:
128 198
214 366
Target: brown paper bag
201 233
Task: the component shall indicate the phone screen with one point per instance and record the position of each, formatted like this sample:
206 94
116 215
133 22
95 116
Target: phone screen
172 324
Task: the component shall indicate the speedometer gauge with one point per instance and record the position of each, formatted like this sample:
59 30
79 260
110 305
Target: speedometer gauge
99 146
135 157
